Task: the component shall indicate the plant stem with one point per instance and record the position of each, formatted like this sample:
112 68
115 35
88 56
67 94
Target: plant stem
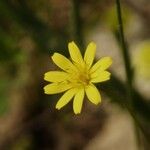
125 53
129 74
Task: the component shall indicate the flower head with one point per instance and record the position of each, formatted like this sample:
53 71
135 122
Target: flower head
77 76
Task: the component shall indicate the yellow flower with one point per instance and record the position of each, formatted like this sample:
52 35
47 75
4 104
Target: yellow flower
77 77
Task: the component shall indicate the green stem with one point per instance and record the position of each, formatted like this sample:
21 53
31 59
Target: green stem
129 75
125 52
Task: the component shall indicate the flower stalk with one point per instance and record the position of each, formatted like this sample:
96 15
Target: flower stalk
129 76
125 52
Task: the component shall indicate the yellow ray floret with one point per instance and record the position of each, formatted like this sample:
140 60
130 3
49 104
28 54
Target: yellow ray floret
77 77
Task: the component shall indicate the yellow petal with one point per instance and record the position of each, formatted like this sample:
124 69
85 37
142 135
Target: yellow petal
102 64
55 88
66 98
90 54
100 76
55 76
62 62
78 101
75 53
93 94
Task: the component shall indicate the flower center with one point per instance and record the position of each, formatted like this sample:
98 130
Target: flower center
80 77
84 78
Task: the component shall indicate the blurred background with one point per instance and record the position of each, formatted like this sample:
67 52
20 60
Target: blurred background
30 32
